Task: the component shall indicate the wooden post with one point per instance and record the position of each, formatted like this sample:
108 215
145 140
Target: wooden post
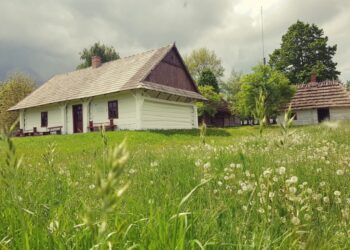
91 126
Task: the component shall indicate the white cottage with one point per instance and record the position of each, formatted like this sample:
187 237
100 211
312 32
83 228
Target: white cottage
151 90
315 102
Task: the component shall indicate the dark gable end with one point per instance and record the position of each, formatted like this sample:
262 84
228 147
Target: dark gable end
171 71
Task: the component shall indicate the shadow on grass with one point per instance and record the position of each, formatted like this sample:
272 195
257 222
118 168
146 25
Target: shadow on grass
191 132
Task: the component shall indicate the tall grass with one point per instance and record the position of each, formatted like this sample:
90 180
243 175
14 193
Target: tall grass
236 191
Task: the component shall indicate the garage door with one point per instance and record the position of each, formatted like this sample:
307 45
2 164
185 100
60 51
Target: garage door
159 115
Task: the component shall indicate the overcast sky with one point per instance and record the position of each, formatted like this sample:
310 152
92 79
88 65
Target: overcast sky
43 38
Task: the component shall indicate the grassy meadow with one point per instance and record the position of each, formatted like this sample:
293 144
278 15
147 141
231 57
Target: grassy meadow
236 191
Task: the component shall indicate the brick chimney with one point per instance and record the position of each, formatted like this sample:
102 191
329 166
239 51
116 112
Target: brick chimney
96 61
313 77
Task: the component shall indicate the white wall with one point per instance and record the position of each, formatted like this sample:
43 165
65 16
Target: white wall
309 116
162 114
126 110
32 117
341 113
136 110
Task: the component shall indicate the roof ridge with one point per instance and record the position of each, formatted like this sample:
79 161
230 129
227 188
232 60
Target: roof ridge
319 84
112 61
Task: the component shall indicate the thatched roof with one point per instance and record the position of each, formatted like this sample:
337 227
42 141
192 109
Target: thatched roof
119 75
320 95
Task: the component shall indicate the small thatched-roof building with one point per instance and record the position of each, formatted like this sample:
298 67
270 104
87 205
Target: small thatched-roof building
315 102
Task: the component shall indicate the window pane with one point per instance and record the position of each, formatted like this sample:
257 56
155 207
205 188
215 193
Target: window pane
113 109
44 119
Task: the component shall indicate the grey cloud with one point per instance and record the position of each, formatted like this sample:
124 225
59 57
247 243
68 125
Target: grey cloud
43 38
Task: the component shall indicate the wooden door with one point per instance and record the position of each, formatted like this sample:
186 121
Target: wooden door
78 118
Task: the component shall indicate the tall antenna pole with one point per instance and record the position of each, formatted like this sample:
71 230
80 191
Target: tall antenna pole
262 36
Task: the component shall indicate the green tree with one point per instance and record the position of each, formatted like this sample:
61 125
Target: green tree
304 51
214 100
199 60
207 78
13 90
231 87
270 83
106 53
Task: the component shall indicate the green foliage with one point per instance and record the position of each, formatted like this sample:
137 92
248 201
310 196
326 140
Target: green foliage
106 53
274 85
210 106
12 90
199 60
285 127
304 51
230 88
260 111
203 132
207 78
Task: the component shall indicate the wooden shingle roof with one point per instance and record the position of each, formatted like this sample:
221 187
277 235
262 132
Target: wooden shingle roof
119 75
320 95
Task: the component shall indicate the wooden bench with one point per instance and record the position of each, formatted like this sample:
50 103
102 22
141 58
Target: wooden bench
98 126
56 129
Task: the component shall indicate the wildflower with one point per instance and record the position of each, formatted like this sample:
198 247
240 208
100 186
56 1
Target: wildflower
215 191
295 220
281 170
245 208
261 210
53 226
294 179
226 177
271 195
267 172
320 209
132 171
293 190
325 199
337 193
322 184
92 186
206 165
154 164
219 183
340 172
197 163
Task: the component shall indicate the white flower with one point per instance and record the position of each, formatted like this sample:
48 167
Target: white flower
271 195
294 179
226 177
295 220
154 164
325 199
219 183
261 210
340 172
206 165
53 226
132 171
322 184
92 186
267 172
337 193
197 163
245 208
293 190
281 170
